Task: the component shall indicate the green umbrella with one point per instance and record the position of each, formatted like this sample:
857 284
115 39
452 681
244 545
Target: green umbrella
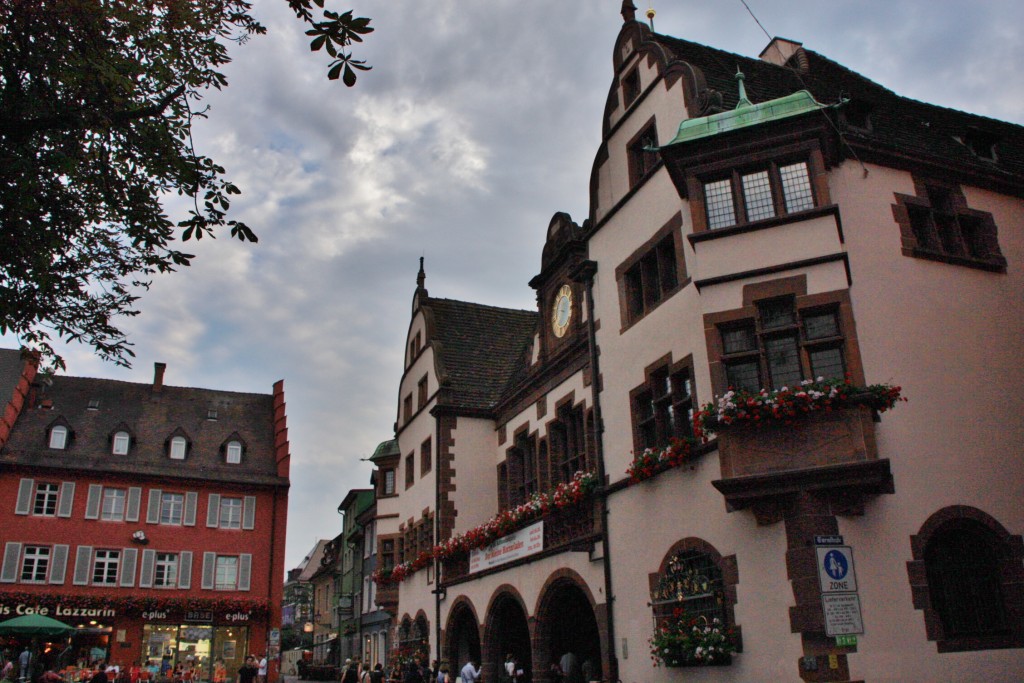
34 625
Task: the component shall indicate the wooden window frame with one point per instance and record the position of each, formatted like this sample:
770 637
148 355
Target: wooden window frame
426 461
642 164
656 430
665 250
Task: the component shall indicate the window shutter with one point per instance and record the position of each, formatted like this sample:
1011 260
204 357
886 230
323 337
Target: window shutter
129 556
58 564
185 569
131 512
153 510
24 504
209 566
66 501
213 510
147 569
244 571
12 554
92 503
83 560
191 501
249 512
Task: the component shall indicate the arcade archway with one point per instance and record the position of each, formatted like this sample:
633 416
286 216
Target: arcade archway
508 632
567 632
462 638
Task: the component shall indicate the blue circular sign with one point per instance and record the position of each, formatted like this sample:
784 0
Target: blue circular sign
836 565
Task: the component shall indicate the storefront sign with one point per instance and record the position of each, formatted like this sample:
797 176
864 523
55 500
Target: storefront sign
60 611
512 547
236 617
201 617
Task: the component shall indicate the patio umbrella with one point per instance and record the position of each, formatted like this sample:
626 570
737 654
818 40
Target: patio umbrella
34 625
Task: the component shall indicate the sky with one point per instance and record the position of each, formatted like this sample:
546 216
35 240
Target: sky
479 121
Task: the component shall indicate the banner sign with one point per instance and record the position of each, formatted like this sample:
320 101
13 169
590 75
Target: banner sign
522 543
60 611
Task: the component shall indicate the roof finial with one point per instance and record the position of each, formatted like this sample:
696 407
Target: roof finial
421 277
743 101
628 11
650 16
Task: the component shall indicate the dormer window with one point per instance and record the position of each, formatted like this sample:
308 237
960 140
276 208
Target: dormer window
121 442
211 414
233 452
94 404
178 448
59 437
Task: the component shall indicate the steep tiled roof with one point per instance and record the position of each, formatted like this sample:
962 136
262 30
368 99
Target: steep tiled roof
11 364
897 123
478 349
150 417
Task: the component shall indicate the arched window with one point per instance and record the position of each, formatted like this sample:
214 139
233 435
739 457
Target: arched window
178 448
233 452
966 576
121 442
58 437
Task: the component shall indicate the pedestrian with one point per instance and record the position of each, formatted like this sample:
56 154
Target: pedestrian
350 673
443 674
101 674
470 674
24 661
249 670
261 673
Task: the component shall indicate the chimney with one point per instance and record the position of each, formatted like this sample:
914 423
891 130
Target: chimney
158 376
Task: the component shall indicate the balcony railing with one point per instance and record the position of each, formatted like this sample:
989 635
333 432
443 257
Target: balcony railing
571 528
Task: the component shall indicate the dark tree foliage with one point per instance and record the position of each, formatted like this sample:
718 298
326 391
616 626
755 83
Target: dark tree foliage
97 103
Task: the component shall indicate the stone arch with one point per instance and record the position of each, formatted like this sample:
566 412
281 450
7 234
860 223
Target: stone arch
508 628
569 619
461 638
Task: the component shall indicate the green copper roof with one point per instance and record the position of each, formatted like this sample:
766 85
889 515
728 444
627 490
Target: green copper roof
746 114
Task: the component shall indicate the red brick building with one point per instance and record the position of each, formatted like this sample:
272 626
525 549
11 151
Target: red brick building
150 517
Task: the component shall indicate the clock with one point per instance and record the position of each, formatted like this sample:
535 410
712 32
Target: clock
561 311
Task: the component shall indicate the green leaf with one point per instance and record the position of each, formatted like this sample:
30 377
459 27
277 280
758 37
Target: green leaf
350 76
317 43
335 71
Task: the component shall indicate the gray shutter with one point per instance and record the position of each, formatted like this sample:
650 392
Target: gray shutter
249 512
185 569
131 512
209 567
148 568
83 562
66 500
92 503
129 556
153 510
12 555
58 564
24 504
191 501
213 510
244 571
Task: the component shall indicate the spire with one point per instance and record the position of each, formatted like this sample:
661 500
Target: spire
421 291
628 11
743 101
650 17
421 276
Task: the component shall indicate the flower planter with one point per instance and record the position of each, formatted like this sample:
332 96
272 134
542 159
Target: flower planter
679 661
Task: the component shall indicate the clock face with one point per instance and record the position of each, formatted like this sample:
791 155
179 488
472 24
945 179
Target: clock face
561 311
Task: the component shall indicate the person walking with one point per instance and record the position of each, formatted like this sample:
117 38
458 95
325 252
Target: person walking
249 670
261 669
470 674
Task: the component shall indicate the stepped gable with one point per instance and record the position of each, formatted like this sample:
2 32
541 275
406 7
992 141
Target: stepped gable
479 349
898 124
151 416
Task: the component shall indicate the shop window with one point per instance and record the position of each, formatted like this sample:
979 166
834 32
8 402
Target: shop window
696 579
662 407
35 563
751 195
568 440
967 576
426 461
642 154
104 567
781 345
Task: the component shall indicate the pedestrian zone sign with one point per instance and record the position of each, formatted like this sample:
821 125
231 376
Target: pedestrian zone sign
835 569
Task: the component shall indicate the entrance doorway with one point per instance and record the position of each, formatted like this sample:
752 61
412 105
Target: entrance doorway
508 634
568 633
462 639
